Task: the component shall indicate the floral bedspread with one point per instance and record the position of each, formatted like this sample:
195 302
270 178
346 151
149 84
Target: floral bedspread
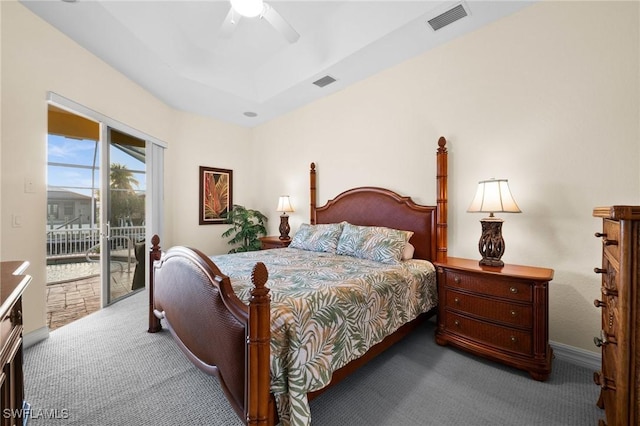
327 310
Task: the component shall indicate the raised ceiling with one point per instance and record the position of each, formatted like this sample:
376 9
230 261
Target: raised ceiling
174 49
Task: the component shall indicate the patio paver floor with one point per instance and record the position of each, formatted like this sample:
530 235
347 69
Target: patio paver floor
72 297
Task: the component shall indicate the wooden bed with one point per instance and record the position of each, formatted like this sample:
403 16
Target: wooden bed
226 338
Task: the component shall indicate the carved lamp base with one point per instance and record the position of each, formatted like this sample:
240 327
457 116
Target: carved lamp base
491 243
284 226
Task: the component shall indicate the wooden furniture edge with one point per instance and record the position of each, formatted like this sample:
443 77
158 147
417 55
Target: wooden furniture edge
618 212
13 276
526 272
14 282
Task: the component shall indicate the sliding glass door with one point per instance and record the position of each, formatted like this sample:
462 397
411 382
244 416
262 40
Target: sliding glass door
126 198
122 214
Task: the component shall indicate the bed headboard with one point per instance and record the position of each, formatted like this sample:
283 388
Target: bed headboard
372 206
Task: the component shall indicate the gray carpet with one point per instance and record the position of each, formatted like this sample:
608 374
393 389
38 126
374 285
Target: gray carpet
105 369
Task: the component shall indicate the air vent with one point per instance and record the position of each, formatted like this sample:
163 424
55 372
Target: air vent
324 81
448 17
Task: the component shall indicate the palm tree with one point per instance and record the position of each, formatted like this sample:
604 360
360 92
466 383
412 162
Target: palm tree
124 200
122 178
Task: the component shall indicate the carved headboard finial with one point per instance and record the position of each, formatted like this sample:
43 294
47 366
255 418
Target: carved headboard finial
441 144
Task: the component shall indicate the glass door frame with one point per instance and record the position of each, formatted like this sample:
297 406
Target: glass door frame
119 241
154 213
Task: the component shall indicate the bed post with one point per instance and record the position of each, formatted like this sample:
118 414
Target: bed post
154 254
442 209
312 197
259 339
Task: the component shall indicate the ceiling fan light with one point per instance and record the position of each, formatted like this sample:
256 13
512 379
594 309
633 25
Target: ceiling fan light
248 8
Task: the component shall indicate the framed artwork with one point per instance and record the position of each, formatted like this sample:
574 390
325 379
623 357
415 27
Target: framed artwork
216 190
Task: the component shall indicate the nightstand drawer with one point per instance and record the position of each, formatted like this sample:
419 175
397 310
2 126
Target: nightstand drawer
504 312
488 285
504 338
497 312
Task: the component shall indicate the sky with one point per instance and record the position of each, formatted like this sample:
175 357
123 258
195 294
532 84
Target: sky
81 152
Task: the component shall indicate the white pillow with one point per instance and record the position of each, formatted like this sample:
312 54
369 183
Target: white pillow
407 253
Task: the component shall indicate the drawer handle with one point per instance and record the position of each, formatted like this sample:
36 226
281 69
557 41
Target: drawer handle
514 313
603 382
456 280
599 271
513 290
610 242
514 339
604 339
456 323
456 301
599 303
600 234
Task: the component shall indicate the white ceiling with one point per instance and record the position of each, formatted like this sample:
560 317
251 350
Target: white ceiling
173 49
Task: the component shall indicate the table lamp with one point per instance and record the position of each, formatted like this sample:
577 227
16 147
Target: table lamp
284 206
492 196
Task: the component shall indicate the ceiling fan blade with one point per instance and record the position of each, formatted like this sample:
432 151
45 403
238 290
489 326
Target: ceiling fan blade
279 23
229 24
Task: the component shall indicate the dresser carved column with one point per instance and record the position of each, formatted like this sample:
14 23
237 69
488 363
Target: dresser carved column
619 303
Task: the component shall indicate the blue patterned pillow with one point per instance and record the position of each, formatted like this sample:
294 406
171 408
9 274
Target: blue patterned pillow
377 243
322 237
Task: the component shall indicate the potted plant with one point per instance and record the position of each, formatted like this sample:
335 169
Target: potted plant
247 226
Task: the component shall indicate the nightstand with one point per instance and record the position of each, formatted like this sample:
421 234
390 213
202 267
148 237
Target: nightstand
274 242
500 313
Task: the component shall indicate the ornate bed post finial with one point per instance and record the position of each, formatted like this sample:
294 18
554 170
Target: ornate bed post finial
441 144
442 200
259 337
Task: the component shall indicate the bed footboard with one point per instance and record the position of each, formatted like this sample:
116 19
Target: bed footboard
219 333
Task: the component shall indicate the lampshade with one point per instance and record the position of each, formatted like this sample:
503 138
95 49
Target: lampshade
493 195
248 8
284 205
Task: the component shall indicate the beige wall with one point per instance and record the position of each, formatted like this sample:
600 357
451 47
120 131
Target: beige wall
548 98
208 143
36 59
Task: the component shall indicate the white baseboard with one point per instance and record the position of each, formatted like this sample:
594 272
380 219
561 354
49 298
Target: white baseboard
35 336
582 357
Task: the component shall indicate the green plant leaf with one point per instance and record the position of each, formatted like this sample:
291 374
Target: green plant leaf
247 226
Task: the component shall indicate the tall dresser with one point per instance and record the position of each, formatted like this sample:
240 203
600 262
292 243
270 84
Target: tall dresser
12 284
619 303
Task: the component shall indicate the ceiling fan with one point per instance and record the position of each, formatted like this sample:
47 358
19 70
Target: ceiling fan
252 9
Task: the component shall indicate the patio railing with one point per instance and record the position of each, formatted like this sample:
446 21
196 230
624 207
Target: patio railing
78 241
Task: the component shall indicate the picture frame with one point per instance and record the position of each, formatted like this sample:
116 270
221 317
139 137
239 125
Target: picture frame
216 195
